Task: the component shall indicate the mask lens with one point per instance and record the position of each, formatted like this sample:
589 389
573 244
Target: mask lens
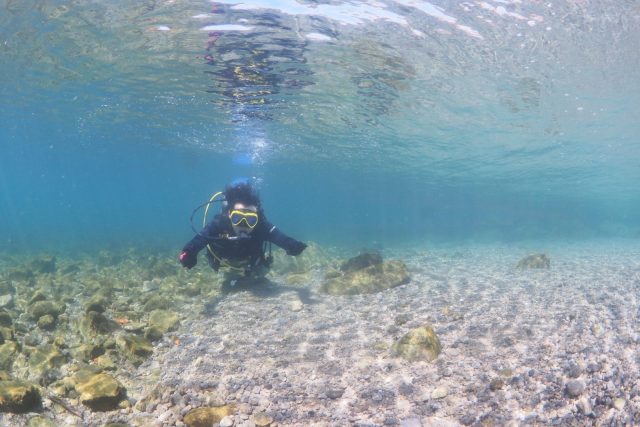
250 218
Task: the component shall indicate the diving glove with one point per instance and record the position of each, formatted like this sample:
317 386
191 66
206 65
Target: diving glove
187 259
296 248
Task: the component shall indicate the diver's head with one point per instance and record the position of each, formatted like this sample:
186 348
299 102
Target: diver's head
242 207
244 218
241 191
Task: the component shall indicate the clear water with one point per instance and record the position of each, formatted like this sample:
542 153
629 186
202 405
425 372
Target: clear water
366 124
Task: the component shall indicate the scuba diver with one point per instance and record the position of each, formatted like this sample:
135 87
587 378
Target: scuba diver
237 238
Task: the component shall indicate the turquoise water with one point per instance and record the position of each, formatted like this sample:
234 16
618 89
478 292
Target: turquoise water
365 124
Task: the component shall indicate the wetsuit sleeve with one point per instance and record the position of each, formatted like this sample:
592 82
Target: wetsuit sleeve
201 240
277 237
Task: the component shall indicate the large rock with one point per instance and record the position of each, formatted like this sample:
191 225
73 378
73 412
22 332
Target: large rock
5 318
373 277
164 320
8 352
95 323
207 416
419 344
44 359
18 396
534 261
42 308
98 391
361 261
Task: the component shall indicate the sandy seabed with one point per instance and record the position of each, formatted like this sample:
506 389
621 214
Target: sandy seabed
556 346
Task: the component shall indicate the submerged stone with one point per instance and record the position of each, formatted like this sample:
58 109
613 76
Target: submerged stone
207 416
157 302
262 419
361 261
39 421
97 303
99 391
370 279
95 323
164 320
135 348
6 287
419 344
42 308
47 322
534 261
6 301
5 318
8 352
43 359
153 333
18 396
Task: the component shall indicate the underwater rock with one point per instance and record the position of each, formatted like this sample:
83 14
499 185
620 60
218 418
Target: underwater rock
534 261
8 352
135 348
297 279
37 296
97 303
439 392
6 287
262 419
47 322
88 351
574 388
105 362
370 279
157 302
5 318
164 320
18 396
44 359
207 416
95 323
361 261
42 308
98 391
6 300
6 334
39 421
153 333
419 344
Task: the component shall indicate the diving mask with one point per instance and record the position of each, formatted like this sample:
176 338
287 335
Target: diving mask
250 218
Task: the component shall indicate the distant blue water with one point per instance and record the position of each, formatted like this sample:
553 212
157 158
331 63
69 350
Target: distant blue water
360 135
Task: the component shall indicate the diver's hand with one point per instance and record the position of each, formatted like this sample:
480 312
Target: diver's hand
296 248
187 259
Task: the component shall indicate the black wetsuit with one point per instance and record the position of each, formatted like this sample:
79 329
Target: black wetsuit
248 252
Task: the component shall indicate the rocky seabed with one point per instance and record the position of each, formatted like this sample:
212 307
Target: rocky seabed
519 346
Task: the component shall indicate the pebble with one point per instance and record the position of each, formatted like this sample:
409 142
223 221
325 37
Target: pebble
619 403
296 306
226 421
575 388
262 419
439 392
334 393
411 422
